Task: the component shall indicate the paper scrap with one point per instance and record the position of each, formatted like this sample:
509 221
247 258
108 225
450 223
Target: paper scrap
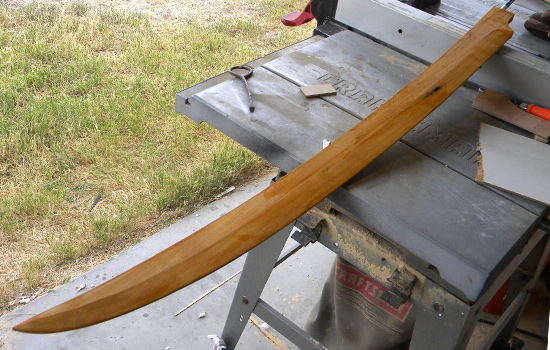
514 163
318 90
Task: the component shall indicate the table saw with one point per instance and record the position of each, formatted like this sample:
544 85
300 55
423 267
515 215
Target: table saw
414 218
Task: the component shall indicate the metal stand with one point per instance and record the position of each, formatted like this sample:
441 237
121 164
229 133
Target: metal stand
444 321
257 267
449 322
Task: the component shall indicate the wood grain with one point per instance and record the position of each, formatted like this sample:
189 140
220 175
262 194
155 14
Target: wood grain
265 214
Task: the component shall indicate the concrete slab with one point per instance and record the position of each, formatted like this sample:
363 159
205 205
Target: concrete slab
293 288
154 326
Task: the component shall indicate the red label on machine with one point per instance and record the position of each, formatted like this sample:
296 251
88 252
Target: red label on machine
371 289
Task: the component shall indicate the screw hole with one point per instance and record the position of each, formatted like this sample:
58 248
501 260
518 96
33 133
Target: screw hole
400 31
438 307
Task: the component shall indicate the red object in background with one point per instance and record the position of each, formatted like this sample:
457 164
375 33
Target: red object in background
298 18
538 111
496 305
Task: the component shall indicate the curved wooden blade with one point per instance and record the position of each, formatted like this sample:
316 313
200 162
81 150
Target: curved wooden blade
254 221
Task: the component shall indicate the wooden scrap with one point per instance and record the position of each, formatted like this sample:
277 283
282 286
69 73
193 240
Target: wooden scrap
540 139
514 163
501 107
209 292
318 90
224 193
278 343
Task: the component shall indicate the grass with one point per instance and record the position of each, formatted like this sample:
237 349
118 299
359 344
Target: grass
86 109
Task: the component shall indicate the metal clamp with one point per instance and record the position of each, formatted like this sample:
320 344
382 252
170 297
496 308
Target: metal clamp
308 229
402 283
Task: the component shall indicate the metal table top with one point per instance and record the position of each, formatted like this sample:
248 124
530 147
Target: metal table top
419 194
468 12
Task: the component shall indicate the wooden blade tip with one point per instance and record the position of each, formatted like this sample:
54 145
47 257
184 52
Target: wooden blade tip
45 322
27 326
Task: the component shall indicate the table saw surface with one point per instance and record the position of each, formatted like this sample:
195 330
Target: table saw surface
419 194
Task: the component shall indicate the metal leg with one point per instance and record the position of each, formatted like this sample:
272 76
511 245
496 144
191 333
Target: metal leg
258 265
286 327
446 322
521 287
508 318
443 321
